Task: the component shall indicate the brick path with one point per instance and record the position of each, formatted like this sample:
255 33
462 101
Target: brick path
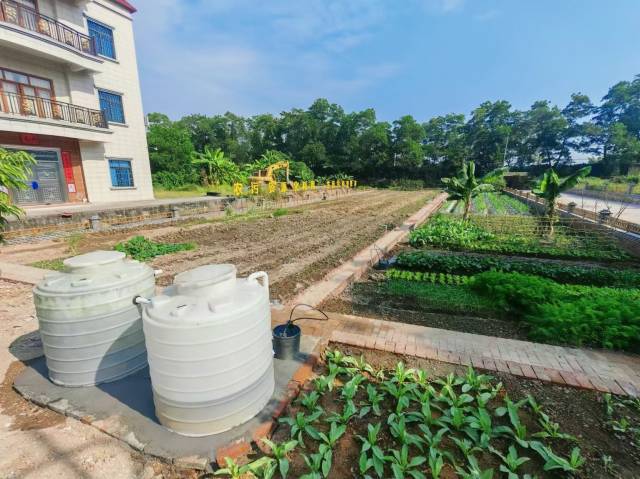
604 371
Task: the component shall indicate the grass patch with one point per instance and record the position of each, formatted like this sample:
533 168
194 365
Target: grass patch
143 249
52 264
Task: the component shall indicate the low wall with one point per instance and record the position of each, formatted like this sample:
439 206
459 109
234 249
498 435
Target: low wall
606 195
29 230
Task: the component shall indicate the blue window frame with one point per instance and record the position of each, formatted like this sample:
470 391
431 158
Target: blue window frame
103 39
121 174
111 104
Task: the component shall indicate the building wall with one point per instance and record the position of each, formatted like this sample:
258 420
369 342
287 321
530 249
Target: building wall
127 141
64 145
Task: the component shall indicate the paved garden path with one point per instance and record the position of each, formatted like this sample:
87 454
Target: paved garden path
604 371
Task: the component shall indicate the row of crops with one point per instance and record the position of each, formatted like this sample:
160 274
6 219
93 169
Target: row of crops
491 203
576 286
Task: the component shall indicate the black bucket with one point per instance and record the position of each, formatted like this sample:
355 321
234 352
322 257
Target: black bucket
286 341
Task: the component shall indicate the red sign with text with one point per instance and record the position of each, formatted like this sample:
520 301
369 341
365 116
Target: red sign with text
68 171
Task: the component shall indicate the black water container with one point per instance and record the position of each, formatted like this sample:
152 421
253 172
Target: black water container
286 341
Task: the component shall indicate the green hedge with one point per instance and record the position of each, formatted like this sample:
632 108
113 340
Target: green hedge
577 315
562 273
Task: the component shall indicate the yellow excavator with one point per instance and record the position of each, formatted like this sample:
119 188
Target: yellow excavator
267 176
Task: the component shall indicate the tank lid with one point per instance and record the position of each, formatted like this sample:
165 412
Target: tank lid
93 259
206 275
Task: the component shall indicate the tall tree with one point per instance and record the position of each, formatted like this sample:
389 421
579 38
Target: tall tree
170 146
445 142
488 132
547 132
407 136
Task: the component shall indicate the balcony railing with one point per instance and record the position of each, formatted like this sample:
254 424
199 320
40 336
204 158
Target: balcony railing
51 109
25 17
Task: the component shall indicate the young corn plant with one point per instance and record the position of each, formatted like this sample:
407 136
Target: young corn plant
279 452
555 462
302 425
371 455
511 462
402 466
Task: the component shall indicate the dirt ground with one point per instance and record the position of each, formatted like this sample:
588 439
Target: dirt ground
295 249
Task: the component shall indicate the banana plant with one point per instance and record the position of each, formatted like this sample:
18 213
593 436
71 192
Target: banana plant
302 425
511 462
467 186
551 186
403 467
279 451
553 461
371 454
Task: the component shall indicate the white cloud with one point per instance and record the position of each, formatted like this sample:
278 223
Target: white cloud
190 62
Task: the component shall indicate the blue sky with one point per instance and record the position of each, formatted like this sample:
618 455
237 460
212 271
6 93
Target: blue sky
419 57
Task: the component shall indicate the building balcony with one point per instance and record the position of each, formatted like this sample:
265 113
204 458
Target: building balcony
23 28
29 114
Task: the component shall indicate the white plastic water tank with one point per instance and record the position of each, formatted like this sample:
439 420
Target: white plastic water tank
210 353
90 327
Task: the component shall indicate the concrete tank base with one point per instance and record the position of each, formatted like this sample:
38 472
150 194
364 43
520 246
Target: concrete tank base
125 409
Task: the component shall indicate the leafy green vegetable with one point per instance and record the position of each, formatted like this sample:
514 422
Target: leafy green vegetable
143 249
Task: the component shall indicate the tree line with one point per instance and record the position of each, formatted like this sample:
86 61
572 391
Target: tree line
331 141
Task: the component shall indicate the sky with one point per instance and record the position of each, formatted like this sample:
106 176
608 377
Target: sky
418 57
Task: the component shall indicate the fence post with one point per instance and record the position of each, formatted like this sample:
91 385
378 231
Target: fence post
94 221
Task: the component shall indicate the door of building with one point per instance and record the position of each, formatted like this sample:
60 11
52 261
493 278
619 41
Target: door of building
46 184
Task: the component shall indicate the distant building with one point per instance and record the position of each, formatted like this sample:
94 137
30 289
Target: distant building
70 96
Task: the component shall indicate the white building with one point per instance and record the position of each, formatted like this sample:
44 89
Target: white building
70 96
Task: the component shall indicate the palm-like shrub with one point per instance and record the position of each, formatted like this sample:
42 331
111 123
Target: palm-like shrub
218 169
466 186
15 168
551 186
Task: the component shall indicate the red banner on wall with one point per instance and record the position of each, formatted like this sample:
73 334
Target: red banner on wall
68 171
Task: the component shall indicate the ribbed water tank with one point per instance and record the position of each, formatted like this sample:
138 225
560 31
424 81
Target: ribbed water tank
210 353
90 327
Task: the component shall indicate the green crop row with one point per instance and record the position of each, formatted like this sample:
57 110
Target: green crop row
435 278
446 231
562 273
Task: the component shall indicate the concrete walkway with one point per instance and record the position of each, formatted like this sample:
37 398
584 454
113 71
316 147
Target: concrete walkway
605 371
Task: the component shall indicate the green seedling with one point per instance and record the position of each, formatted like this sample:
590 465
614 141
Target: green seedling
608 404
475 381
333 435
403 467
466 447
349 411
359 365
621 425
264 468
279 451
554 462
302 425
448 384
370 453
436 462
314 463
401 374
234 470
607 463
374 399
310 402
511 462
430 439
350 389
398 428
473 470
322 384
519 430
481 429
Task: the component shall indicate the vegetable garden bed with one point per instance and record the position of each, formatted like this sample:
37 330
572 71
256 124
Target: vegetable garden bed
367 415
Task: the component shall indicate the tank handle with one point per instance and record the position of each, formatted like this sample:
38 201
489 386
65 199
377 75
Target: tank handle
260 275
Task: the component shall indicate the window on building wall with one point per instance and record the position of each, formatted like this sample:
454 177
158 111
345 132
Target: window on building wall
111 104
103 38
121 174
